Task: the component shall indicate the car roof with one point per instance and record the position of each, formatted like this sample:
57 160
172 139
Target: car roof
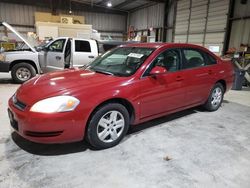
158 45
163 44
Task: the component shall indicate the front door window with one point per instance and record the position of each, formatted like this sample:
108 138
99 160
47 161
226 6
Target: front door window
57 46
169 59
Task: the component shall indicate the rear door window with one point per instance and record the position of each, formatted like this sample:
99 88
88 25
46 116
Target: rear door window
82 46
210 60
192 59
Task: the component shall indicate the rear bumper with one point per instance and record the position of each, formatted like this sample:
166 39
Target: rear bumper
47 128
4 66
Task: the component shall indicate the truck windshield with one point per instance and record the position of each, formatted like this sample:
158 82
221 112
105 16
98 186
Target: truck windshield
122 61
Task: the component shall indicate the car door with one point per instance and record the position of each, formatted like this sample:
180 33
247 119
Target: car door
166 92
84 51
199 73
54 56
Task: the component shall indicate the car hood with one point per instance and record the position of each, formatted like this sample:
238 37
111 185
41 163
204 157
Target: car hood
17 52
25 40
65 82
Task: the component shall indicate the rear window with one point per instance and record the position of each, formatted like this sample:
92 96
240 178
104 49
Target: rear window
82 46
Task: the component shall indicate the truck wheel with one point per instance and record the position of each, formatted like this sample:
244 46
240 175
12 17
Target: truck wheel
22 72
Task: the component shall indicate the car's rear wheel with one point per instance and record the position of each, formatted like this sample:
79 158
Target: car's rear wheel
215 98
22 72
108 126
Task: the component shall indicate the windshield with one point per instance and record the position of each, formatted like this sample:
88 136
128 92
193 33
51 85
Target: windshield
122 61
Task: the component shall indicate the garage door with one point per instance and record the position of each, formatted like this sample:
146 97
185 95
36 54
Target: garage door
202 22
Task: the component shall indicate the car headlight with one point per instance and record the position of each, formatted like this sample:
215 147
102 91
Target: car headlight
55 104
14 99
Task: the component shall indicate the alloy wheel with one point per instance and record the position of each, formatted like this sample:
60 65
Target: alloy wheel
110 126
216 97
23 73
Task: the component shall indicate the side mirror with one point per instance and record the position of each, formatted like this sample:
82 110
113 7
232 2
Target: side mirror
157 70
42 48
46 48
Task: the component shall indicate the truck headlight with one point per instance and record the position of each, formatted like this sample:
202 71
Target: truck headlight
2 57
55 104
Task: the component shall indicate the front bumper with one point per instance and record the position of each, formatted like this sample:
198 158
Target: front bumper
47 128
4 66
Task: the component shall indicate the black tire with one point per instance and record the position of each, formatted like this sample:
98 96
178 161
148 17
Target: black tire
94 126
209 105
29 72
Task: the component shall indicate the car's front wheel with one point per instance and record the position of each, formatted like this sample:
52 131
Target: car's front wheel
108 126
215 98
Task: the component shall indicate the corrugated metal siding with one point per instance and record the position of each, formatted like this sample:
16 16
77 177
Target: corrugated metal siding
182 19
217 15
24 15
103 21
216 23
147 17
201 22
240 33
241 10
106 21
170 21
134 4
19 14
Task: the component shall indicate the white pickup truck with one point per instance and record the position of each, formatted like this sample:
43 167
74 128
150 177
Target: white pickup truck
58 54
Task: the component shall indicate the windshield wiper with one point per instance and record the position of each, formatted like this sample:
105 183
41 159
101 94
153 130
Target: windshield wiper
103 72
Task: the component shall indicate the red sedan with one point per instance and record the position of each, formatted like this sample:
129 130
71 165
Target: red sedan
125 86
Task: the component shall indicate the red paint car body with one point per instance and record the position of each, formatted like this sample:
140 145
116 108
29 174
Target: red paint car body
145 97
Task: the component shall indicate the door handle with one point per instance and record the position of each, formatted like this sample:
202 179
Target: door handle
179 78
91 56
58 58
